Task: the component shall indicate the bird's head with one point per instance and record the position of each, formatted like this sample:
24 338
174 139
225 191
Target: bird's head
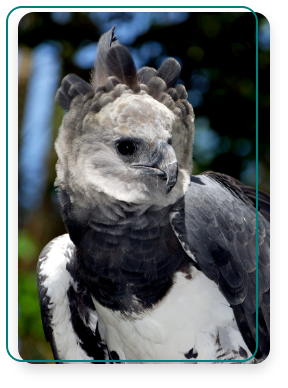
128 135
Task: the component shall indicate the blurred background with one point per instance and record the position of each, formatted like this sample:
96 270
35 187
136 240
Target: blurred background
217 55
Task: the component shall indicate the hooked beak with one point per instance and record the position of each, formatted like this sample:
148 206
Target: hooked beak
164 165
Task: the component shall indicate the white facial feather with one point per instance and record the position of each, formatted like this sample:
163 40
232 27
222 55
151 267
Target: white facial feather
89 164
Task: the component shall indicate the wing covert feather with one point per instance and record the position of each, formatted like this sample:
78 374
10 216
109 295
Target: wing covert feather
218 225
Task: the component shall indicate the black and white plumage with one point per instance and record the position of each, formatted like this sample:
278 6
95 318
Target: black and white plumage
156 265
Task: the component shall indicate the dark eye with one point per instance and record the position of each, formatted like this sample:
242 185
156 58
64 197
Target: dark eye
170 140
126 147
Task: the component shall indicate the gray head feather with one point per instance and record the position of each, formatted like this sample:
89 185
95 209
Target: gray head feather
122 103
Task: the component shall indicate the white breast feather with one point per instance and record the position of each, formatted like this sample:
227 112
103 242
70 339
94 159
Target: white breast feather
188 317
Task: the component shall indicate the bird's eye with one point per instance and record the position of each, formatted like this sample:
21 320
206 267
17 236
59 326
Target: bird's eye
170 140
126 147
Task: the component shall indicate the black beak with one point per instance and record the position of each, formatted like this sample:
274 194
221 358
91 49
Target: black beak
164 165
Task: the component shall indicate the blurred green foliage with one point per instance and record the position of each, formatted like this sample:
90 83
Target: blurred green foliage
30 328
27 247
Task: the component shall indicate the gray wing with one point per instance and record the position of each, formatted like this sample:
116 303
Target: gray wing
216 225
69 318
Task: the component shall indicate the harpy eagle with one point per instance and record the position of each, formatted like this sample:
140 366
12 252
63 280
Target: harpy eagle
157 264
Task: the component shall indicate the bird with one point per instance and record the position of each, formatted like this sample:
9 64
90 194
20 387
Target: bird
157 264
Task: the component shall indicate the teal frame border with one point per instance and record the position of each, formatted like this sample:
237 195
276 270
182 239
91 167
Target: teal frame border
131 361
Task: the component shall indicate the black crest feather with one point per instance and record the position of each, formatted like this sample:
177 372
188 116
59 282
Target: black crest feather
121 65
71 86
181 90
170 71
145 74
113 59
106 41
156 85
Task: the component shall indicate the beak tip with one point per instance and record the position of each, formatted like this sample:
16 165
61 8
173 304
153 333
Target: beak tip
172 176
170 186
